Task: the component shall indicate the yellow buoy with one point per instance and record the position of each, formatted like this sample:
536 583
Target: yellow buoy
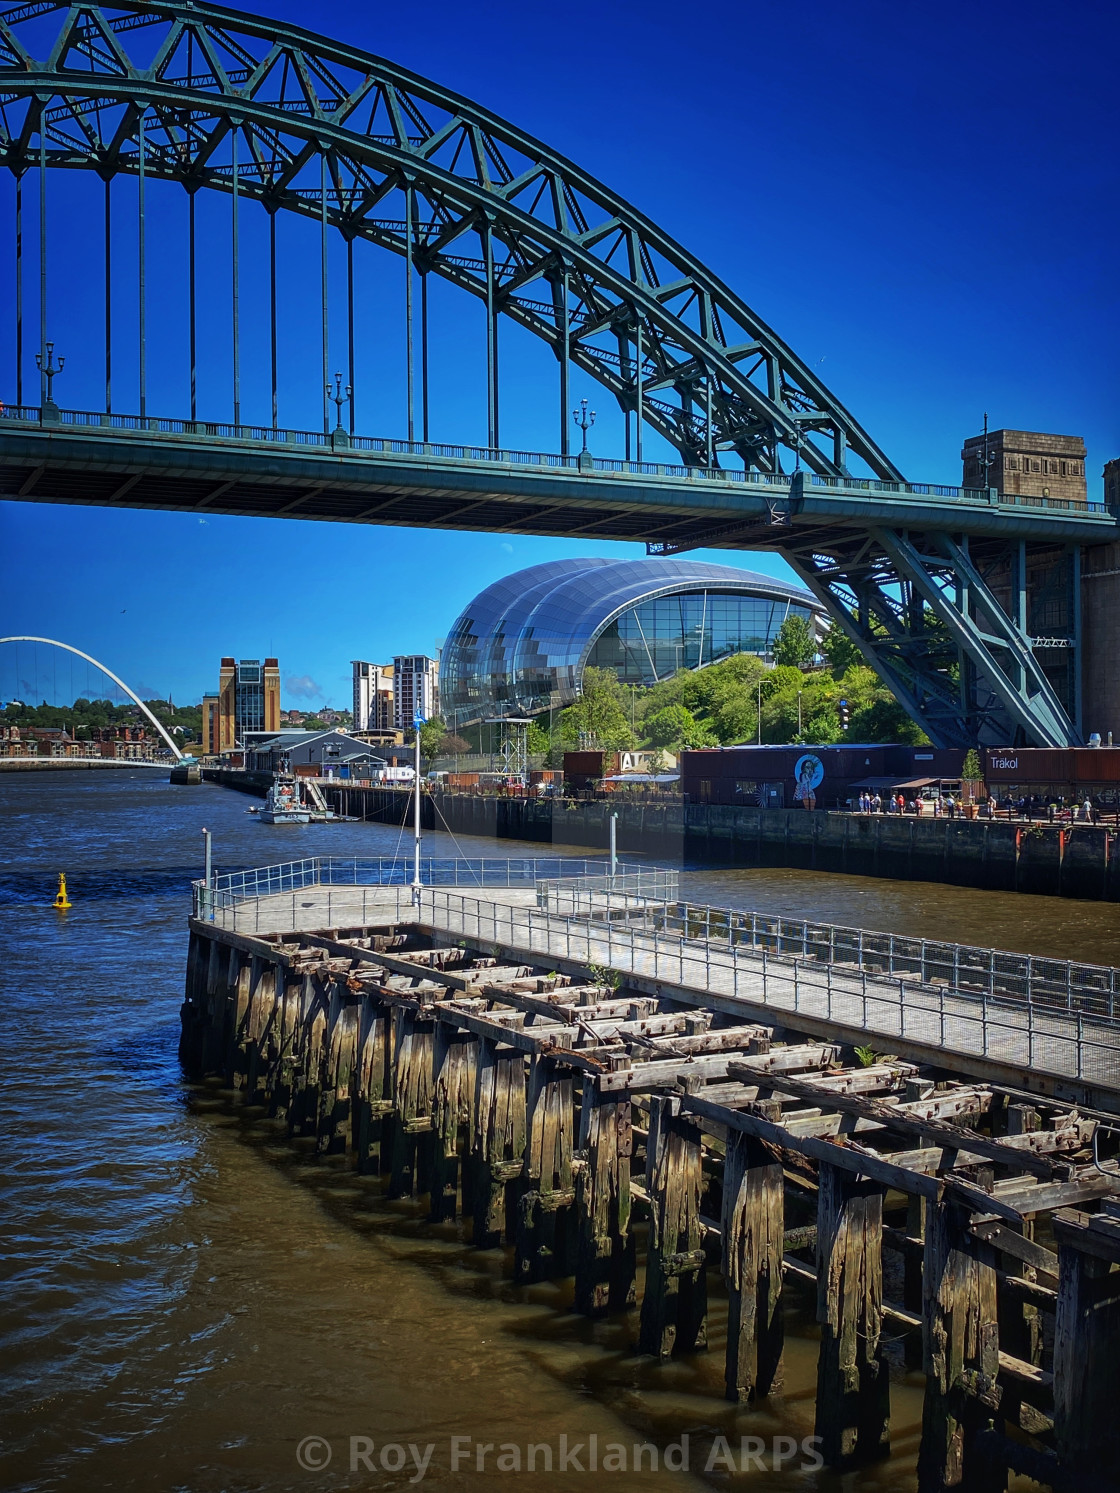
61 900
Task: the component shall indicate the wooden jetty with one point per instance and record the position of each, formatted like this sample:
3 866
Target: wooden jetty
543 1103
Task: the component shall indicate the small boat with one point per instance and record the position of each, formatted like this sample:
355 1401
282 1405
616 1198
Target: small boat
284 802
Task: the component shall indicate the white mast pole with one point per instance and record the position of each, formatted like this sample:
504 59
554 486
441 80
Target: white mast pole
417 722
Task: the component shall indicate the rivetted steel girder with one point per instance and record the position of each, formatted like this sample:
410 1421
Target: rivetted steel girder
416 168
926 619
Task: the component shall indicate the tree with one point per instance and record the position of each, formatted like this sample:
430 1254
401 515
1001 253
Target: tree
973 768
598 713
677 727
431 737
795 643
450 745
840 651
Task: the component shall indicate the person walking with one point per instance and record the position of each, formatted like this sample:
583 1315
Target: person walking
877 804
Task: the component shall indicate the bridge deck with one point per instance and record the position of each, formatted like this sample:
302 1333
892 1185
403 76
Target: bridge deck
123 461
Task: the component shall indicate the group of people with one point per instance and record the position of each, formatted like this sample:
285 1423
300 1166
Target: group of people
874 803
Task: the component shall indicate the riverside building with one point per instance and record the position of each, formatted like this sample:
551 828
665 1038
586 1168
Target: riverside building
522 645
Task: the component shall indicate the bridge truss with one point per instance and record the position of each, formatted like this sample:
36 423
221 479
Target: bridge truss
209 98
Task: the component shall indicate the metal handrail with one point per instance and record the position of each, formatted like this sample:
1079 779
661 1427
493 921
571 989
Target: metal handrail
222 430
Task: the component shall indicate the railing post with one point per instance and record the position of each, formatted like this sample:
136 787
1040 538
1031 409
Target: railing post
1080 1045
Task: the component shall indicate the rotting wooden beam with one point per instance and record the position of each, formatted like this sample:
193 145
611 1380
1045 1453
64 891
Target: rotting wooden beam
753 1243
961 1355
498 1142
453 1100
953 1137
543 1247
605 1255
853 1381
1087 1328
675 1303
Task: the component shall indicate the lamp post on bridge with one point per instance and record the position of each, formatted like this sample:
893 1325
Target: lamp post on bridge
584 419
339 437
985 461
49 369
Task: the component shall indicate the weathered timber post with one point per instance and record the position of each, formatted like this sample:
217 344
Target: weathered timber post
753 1226
307 1053
1086 1331
675 1303
335 1100
499 1138
1020 1322
283 1040
605 1258
262 1015
456 1078
853 1380
223 1001
192 1012
373 1080
242 988
961 1353
547 1189
413 1083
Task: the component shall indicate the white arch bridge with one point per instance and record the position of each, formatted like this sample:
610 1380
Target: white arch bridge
135 698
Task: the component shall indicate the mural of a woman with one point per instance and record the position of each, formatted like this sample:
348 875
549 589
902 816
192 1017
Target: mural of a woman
809 772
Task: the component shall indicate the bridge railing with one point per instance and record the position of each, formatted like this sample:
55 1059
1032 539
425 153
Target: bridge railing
231 888
1052 984
505 456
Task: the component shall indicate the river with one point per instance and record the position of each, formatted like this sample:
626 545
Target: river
190 1299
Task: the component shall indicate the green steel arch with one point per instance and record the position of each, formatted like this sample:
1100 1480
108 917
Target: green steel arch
212 98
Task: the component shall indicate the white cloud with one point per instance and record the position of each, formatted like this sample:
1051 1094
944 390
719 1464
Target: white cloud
303 687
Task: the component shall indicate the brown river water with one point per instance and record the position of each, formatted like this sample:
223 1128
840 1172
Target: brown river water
192 1302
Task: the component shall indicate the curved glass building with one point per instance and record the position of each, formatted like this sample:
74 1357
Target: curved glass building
522 645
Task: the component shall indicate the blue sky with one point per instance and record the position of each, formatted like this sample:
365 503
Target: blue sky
922 200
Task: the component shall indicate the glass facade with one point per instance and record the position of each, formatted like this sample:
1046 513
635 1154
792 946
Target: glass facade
522 644
250 697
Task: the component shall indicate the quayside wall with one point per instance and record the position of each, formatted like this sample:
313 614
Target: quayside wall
1071 861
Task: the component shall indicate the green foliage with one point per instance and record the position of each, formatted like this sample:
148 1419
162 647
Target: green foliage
600 713
675 726
973 767
602 974
719 705
867 1057
795 642
841 653
537 739
432 734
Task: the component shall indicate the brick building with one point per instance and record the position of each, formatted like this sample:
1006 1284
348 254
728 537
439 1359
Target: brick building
248 699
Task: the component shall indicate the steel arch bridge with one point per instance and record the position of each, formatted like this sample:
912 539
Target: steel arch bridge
135 698
935 584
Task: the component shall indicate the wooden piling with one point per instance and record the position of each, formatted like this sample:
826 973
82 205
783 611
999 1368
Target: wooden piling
499 1138
853 1381
605 1254
1087 1329
753 1225
413 1085
373 1080
675 1303
339 1062
456 1079
546 1191
961 1354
